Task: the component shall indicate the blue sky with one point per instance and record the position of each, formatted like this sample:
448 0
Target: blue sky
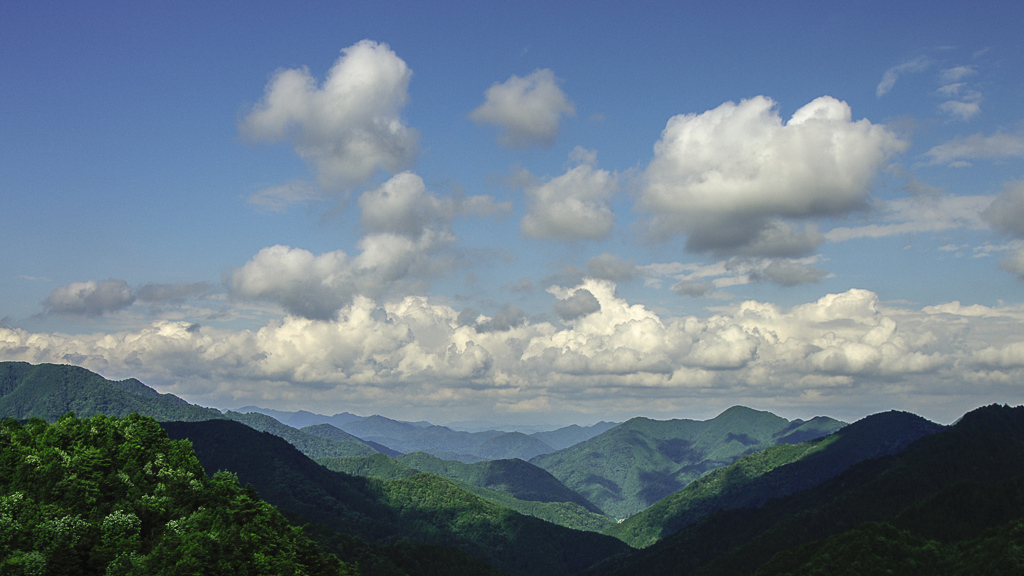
540 213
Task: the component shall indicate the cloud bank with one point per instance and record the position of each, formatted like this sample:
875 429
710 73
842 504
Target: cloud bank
611 357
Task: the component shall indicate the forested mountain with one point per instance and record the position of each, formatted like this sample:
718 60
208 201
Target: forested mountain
117 497
953 499
515 484
777 471
49 391
423 508
332 432
573 434
628 468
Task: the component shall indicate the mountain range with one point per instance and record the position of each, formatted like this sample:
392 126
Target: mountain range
743 493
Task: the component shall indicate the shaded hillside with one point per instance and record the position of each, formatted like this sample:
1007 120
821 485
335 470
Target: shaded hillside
635 464
423 508
920 489
754 479
514 484
511 445
49 391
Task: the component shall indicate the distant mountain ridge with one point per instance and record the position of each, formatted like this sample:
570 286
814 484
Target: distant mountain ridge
951 486
777 471
627 468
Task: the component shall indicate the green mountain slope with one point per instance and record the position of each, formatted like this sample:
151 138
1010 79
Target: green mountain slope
573 434
754 479
423 508
49 391
514 484
635 464
985 448
332 432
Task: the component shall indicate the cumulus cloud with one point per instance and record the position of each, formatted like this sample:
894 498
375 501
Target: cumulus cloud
173 293
581 303
90 298
573 206
302 283
845 347
348 128
918 64
527 110
405 207
728 177
960 151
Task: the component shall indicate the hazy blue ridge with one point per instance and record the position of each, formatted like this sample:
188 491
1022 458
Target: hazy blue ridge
332 432
631 466
921 489
308 444
573 434
776 471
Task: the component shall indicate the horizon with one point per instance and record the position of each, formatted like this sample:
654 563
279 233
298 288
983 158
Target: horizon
520 214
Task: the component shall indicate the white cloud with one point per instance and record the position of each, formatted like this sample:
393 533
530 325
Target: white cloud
959 151
527 110
404 206
918 64
573 206
90 298
964 109
278 198
348 128
611 358
956 74
727 176
921 213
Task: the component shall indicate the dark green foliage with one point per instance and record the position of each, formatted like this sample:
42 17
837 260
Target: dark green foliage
936 489
754 479
49 391
116 496
635 464
424 509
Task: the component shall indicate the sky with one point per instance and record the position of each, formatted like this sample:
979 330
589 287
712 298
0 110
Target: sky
540 213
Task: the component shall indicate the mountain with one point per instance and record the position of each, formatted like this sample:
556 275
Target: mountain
573 434
511 445
49 391
514 484
302 418
424 508
308 444
955 486
331 432
777 471
631 466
